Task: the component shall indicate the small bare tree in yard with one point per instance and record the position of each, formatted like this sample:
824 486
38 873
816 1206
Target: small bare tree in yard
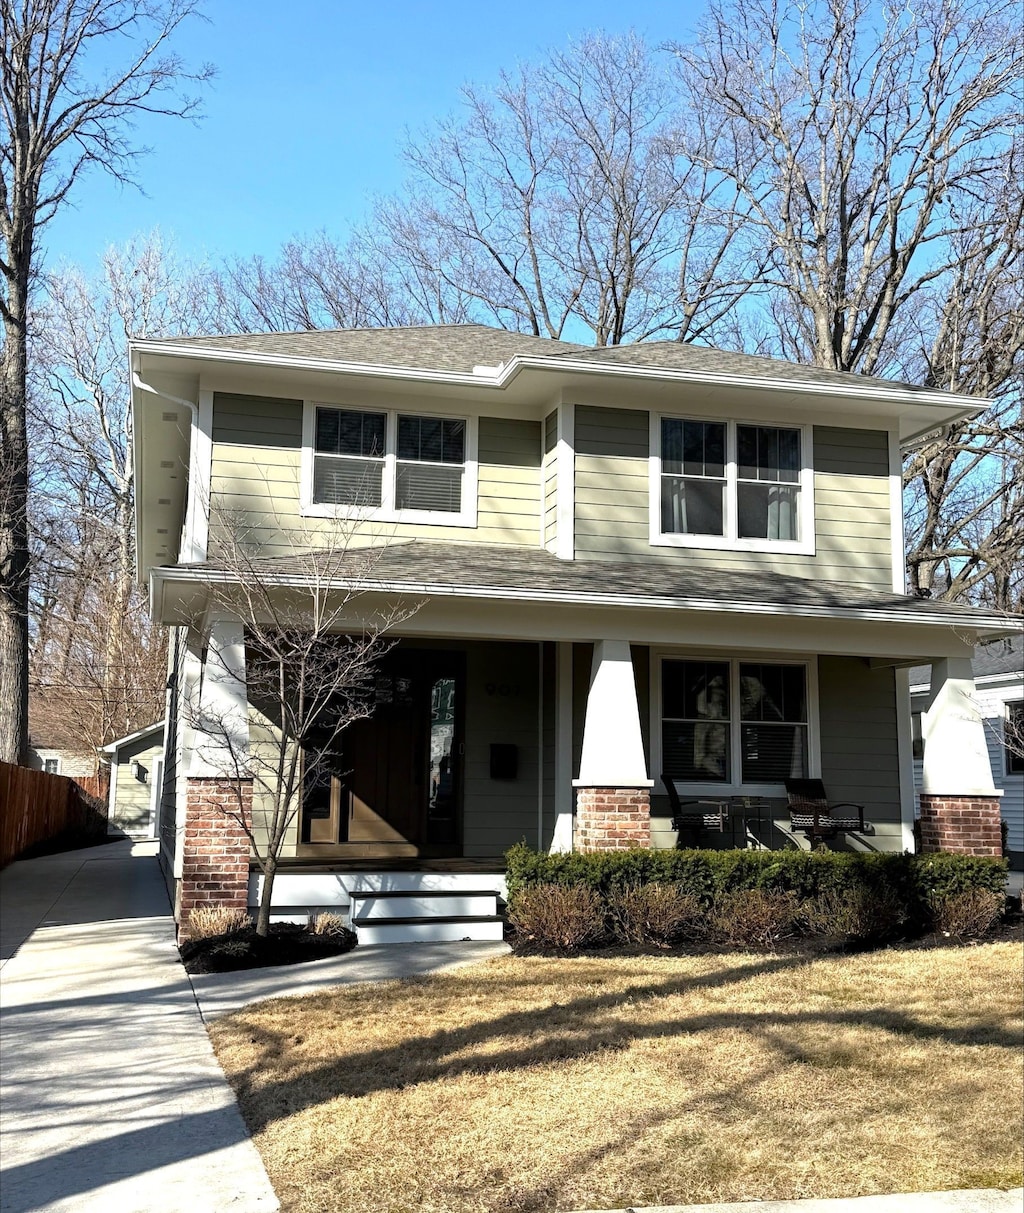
312 640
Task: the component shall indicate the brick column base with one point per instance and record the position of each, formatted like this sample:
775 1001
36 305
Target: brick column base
965 825
215 863
612 819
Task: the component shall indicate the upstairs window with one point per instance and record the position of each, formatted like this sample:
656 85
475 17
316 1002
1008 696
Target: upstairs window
431 460
390 466
727 484
348 466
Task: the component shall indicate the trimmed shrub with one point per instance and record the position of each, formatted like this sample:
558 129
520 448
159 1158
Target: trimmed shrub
659 914
858 915
755 918
841 894
557 917
208 922
967 915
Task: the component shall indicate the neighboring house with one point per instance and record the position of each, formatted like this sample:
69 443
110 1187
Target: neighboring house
136 781
999 695
638 560
53 746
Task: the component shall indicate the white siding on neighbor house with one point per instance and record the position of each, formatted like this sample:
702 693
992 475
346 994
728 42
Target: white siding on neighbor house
992 703
255 479
851 502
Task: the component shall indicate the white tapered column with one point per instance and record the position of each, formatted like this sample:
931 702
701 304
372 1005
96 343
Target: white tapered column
959 802
613 804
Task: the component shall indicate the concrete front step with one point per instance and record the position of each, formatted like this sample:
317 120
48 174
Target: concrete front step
438 929
371 905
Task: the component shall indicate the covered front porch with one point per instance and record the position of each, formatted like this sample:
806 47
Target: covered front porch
566 721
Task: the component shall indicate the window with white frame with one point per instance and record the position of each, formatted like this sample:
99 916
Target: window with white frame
51 766
388 463
734 723
1013 738
733 484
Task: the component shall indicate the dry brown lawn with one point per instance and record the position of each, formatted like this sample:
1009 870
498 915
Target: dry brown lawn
528 1084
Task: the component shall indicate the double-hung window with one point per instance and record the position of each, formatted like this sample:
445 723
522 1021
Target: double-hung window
734 725
389 465
732 485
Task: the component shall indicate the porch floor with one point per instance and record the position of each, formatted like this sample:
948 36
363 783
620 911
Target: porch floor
488 864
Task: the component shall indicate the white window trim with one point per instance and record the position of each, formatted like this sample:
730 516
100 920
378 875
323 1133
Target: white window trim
386 511
1008 705
730 541
54 759
735 787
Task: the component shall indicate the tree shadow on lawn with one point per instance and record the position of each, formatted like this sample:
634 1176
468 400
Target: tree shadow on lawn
559 1032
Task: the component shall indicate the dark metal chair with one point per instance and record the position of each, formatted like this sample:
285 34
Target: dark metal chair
811 813
696 815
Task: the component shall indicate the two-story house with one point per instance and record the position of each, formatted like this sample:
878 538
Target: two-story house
648 563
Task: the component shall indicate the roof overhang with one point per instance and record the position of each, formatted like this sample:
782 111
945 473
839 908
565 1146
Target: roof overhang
131 738
184 597
918 411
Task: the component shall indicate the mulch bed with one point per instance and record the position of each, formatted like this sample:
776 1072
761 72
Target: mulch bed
287 944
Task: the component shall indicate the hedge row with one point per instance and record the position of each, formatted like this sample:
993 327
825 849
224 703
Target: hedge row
916 882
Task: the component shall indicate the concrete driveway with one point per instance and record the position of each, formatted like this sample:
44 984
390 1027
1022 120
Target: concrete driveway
110 1095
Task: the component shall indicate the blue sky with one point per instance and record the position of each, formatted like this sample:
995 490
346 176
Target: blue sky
306 117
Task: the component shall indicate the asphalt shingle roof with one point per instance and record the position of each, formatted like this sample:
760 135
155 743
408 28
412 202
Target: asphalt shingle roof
481 567
440 347
461 347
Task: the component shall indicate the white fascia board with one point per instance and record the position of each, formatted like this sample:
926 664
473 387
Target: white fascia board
989 624
132 737
499 377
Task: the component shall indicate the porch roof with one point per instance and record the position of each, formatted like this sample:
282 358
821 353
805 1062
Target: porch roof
506 573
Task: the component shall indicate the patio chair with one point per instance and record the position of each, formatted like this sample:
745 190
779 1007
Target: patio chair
696 815
811 813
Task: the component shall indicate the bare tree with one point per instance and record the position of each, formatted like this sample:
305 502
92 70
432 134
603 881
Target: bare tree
90 636
879 153
61 117
859 137
312 639
562 198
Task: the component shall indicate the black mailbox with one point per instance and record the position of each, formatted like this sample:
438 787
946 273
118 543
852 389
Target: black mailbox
504 761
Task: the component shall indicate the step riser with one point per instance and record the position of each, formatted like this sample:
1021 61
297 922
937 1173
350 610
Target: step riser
427 932
366 909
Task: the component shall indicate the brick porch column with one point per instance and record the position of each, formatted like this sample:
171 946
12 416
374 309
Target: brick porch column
613 793
969 825
959 802
218 790
215 860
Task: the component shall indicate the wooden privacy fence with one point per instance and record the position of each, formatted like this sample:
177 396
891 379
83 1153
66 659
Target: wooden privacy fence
36 807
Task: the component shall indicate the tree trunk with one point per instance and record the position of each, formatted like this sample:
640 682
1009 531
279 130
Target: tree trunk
14 550
263 914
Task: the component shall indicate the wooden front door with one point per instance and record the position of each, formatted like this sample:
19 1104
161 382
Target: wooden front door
394 787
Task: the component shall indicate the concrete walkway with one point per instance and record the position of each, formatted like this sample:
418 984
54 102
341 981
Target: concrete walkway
112 1099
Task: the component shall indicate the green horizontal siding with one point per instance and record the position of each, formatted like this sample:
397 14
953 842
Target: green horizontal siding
257 420
851 452
615 432
510 443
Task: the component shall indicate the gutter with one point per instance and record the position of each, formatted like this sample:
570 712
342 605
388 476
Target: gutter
499 377
993 625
